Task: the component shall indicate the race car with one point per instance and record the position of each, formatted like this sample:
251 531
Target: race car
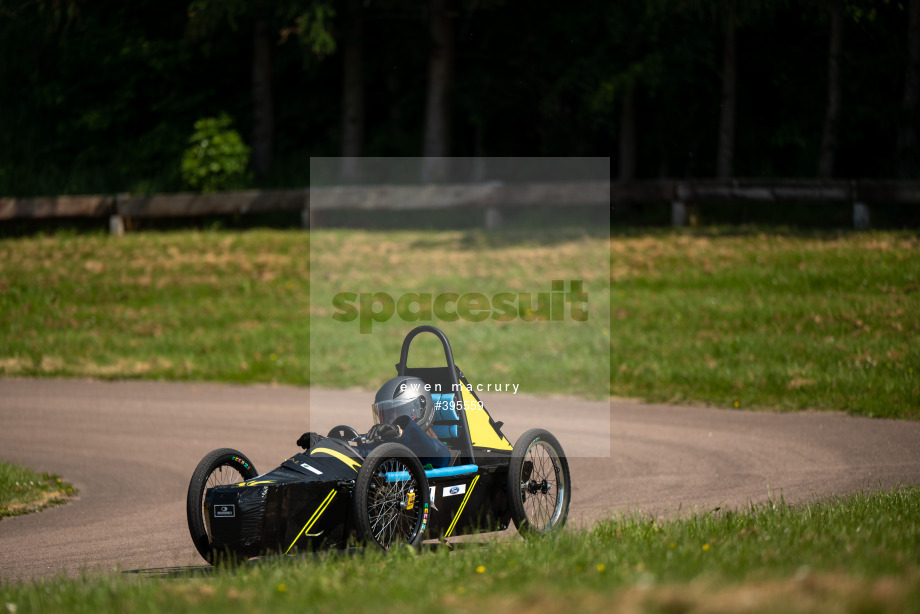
330 496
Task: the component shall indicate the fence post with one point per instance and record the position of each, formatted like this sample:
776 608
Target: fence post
116 225
678 214
860 216
493 217
306 218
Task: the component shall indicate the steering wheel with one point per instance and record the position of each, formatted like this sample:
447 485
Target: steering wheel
343 432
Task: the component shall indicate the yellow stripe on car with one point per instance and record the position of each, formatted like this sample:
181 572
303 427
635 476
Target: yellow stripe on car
453 523
348 461
316 515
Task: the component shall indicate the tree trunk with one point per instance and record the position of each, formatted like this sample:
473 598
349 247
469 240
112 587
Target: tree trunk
262 113
436 145
908 159
353 94
628 134
829 137
726 152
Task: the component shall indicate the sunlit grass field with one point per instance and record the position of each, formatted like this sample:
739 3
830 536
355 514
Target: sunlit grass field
856 554
769 320
746 319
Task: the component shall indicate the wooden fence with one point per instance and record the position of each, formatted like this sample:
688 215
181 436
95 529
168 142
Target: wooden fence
490 197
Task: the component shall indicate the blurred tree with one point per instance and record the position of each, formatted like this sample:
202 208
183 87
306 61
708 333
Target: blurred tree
353 92
631 62
100 96
263 115
684 118
874 63
828 152
908 155
206 17
268 20
732 14
436 139
90 94
725 157
216 158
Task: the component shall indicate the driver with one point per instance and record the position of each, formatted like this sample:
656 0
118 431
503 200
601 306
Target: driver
403 412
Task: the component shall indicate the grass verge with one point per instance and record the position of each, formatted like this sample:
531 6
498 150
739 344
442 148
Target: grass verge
769 320
23 491
859 553
749 320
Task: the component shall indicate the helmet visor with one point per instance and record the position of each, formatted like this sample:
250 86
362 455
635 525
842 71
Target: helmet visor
386 412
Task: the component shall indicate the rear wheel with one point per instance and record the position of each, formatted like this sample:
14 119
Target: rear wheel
391 498
539 485
220 467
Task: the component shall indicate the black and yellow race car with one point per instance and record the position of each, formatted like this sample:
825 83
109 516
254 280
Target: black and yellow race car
332 496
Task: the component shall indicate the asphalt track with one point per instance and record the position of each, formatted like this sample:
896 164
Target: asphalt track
130 449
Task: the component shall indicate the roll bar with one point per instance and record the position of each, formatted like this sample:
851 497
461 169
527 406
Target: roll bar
451 367
448 354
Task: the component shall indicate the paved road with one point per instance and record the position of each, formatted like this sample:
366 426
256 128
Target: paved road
130 448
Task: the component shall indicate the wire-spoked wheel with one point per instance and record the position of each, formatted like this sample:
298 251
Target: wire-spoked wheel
218 468
391 498
539 484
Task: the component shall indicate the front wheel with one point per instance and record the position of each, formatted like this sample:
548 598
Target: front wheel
539 484
219 468
391 498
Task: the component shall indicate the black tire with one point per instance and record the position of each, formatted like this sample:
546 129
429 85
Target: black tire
387 513
343 432
539 484
220 467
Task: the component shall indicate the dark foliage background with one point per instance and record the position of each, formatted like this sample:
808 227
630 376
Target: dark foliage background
101 96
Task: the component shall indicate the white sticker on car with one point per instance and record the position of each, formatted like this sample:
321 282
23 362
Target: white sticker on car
450 491
225 511
311 468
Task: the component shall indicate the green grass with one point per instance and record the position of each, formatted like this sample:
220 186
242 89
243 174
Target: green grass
185 305
859 553
769 321
750 320
23 491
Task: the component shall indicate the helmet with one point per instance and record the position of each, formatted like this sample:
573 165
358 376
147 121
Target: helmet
404 396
